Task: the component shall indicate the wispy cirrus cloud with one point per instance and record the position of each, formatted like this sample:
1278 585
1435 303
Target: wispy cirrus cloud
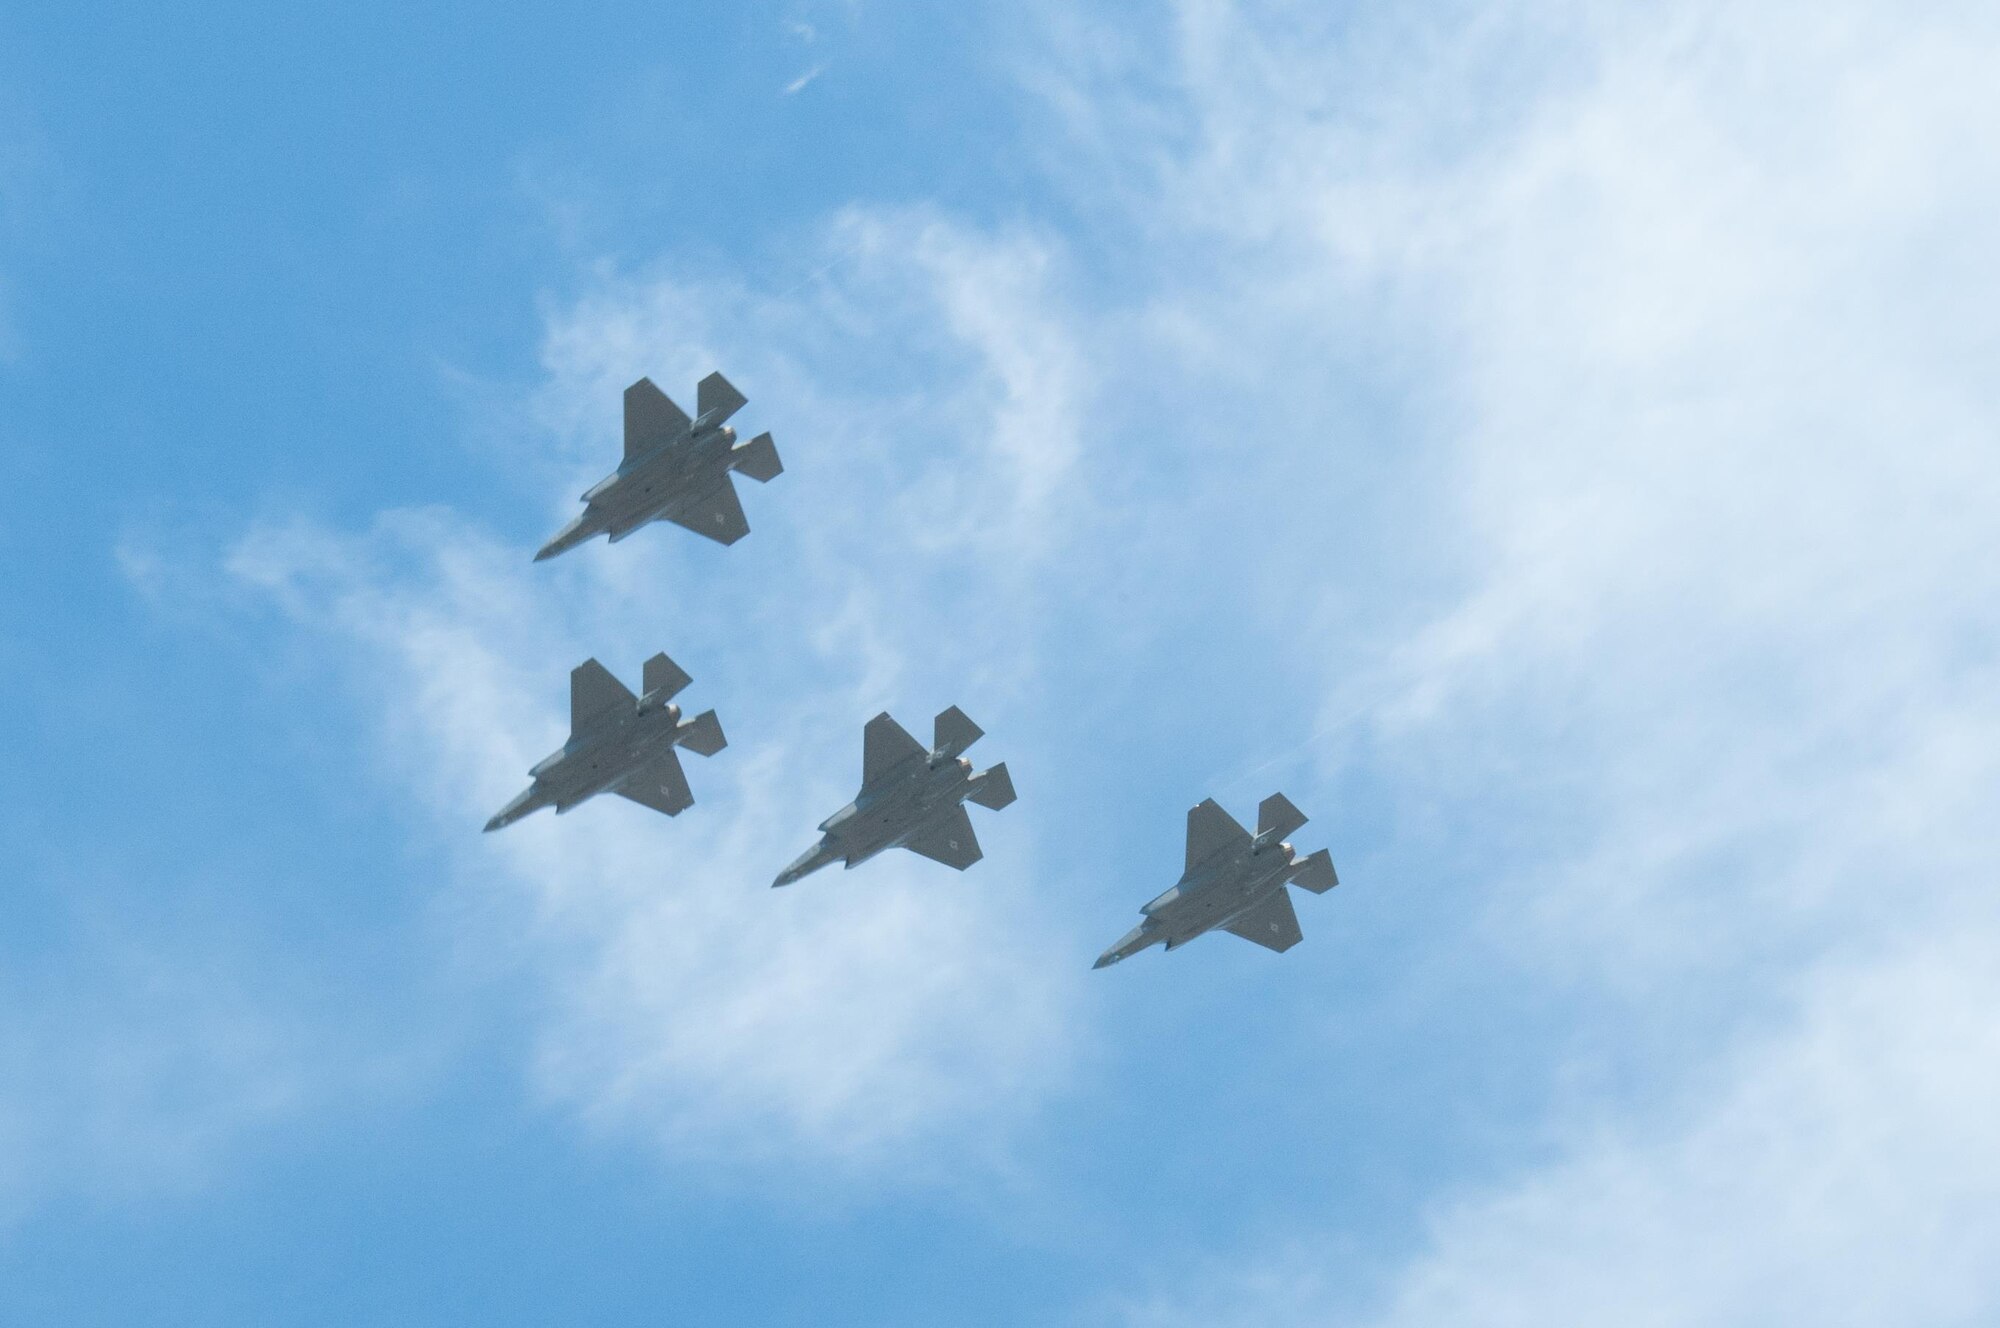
842 1023
1680 312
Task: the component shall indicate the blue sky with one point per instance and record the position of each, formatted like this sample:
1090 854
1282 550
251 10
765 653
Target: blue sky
1554 444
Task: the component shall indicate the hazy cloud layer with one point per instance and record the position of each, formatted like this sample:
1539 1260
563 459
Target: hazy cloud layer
144 1061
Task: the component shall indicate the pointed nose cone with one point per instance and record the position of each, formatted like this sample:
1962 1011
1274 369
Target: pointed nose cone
571 535
806 863
1128 945
513 811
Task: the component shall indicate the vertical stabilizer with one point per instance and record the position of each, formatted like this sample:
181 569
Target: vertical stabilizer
716 399
953 731
664 679
1276 818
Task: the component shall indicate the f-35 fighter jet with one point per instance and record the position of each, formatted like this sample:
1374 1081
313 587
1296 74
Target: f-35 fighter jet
675 469
1234 882
620 743
910 798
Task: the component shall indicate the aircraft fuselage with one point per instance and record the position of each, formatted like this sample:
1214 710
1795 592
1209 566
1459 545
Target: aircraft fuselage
896 807
1218 890
594 760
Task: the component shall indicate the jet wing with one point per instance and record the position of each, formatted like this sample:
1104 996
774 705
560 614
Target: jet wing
718 514
1271 924
1210 831
663 786
885 744
948 839
651 418
593 693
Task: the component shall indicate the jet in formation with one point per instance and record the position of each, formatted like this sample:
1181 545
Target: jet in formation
621 743
1234 881
910 798
675 469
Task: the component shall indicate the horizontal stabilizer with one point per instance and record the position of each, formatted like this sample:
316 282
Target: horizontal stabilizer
1276 818
954 731
661 785
664 678
716 400
651 418
1212 831
948 839
757 458
595 695
994 788
702 735
885 744
1271 923
1315 873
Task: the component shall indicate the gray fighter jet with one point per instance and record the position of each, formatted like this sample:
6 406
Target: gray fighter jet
674 469
1233 881
620 743
910 798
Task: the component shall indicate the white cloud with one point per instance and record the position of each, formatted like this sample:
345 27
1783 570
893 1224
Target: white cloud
1841 1171
851 1020
1835 1169
1689 310
1672 556
1701 326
